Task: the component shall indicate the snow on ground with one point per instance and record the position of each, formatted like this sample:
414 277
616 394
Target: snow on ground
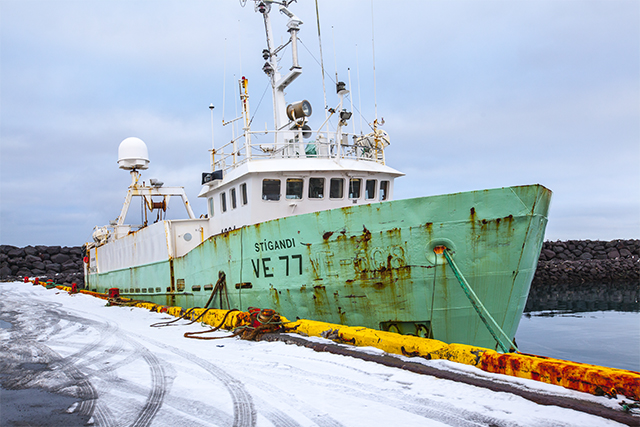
123 372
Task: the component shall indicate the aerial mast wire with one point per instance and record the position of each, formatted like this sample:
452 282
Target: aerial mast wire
373 49
324 90
235 103
240 42
353 122
224 78
335 58
359 93
213 145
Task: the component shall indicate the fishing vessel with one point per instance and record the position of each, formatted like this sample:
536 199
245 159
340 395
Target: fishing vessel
307 225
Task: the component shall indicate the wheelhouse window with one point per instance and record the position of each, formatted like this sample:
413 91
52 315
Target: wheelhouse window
316 188
270 189
354 188
294 188
223 201
384 190
370 189
243 193
210 207
232 196
336 189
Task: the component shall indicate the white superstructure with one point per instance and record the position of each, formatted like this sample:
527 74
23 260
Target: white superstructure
303 170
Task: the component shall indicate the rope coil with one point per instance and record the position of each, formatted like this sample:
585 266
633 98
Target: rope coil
259 322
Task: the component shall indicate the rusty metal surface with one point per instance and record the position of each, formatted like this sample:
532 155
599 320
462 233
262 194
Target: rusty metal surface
373 265
591 379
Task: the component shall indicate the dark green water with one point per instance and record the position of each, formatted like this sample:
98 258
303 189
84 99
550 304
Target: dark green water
605 338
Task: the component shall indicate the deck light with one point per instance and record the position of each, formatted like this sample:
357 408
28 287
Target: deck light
298 110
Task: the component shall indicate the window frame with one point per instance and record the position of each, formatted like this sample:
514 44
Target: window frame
243 194
264 196
223 201
341 188
323 180
351 181
286 188
386 184
373 192
233 199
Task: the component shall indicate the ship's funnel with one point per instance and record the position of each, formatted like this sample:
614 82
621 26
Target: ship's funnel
133 154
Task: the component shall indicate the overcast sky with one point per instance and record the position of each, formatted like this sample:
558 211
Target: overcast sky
475 94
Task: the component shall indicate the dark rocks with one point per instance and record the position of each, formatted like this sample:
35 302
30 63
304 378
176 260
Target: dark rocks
590 262
30 259
15 252
60 264
69 266
52 250
75 251
60 258
576 249
613 254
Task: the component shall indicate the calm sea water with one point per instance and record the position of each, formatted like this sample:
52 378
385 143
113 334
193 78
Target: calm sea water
606 338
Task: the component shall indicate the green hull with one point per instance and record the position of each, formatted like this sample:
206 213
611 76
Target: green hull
368 265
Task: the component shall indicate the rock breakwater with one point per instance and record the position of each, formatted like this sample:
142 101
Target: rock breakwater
61 264
589 261
587 275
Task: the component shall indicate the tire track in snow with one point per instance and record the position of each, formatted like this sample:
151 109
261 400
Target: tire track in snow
40 325
423 407
32 327
319 418
158 389
86 391
244 413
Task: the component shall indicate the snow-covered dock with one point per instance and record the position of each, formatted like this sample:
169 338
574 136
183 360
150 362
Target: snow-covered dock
119 371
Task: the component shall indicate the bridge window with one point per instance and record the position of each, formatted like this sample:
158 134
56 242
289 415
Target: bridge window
354 188
384 190
210 207
243 193
223 201
316 188
370 189
294 188
270 189
336 190
232 196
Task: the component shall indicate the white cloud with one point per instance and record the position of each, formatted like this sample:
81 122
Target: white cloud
475 95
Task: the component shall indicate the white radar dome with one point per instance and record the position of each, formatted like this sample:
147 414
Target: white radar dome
133 154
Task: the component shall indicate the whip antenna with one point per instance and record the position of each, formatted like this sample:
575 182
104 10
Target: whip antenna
324 90
359 96
224 77
213 145
353 122
335 58
373 49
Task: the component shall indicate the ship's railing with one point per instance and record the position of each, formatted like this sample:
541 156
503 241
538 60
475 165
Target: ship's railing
310 145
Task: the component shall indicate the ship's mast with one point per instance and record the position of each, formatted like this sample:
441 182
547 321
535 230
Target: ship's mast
279 83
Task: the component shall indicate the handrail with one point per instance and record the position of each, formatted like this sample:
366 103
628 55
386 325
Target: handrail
350 146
